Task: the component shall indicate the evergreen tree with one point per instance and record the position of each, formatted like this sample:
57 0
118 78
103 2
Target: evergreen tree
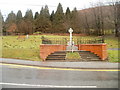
67 19
52 16
2 25
28 15
10 21
19 19
43 23
28 20
36 15
19 15
11 17
46 12
59 15
74 13
1 18
42 11
75 20
58 21
68 13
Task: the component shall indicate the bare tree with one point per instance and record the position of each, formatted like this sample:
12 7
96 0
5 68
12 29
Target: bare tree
87 27
1 20
102 20
98 18
115 12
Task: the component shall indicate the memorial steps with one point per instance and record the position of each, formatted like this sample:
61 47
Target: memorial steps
59 55
85 56
88 56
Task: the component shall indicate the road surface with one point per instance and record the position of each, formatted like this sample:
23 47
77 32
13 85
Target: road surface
21 76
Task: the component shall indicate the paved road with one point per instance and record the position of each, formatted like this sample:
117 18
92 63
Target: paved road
30 77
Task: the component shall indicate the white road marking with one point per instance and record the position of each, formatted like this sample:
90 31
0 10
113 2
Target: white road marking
48 86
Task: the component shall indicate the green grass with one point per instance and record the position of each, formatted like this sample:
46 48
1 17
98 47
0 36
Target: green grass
112 42
30 48
113 55
20 48
72 55
12 42
27 54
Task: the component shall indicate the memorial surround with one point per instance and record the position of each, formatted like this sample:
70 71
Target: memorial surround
98 49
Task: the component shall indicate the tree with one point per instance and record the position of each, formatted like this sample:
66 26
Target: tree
116 6
102 20
12 29
67 19
46 12
68 13
36 15
59 15
19 18
29 15
58 21
43 23
75 20
28 20
118 15
22 26
86 24
19 15
1 20
25 27
52 16
11 18
98 19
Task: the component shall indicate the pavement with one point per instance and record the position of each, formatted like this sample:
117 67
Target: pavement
113 49
82 65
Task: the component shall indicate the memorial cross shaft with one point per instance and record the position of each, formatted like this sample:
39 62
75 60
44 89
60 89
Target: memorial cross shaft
70 31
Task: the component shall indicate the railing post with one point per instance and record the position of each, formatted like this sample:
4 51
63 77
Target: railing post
103 41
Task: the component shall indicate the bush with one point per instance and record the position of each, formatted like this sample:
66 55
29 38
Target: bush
45 40
37 33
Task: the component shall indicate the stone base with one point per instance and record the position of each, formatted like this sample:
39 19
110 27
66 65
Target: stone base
69 48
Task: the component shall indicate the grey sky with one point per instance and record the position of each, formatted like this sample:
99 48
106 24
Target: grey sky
6 6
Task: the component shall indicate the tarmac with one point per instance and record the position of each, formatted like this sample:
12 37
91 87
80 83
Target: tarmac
81 65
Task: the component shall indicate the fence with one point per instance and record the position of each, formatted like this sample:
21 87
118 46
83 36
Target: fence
64 41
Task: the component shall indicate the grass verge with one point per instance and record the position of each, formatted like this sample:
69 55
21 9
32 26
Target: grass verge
113 55
72 56
26 54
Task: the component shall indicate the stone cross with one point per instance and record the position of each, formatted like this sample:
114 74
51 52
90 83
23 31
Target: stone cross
70 31
27 36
